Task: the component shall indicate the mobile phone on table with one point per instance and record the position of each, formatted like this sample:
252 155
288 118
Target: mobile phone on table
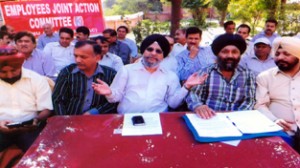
138 120
19 124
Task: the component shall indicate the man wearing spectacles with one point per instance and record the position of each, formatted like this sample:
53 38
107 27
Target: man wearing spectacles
146 86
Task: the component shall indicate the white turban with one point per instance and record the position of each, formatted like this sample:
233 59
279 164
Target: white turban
289 44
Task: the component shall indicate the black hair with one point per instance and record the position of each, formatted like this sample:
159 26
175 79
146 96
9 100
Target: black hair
101 38
244 26
2 34
272 21
21 34
96 48
83 29
111 32
193 30
66 30
228 23
123 27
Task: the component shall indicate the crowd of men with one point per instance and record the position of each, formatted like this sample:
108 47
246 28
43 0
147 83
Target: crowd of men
60 75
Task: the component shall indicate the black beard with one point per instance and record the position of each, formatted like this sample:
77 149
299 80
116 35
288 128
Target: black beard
286 66
226 65
12 80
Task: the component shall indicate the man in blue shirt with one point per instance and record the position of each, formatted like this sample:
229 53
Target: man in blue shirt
117 47
228 86
194 57
122 31
47 37
269 31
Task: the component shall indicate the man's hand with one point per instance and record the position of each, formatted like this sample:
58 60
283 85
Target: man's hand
286 125
193 51
101 88
204 112
194 80
5 129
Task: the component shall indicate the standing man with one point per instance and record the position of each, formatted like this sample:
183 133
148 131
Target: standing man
122 31
82 33
108 59
228 87
278 88
269 31
62 52
180 44
194 57
261 59
73 92
4 38
35 59
48 36
117 47
145 86
244 31
229 27
25 96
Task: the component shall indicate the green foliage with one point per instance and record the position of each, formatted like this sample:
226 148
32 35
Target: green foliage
123 7
221 5
198 9
147 27
290 22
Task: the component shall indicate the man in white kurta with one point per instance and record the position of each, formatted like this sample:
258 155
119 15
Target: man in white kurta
278 88
145 86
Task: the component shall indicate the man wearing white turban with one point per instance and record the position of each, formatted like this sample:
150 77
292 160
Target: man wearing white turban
278 88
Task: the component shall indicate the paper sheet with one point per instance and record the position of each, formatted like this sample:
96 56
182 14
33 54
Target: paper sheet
152 125
217 126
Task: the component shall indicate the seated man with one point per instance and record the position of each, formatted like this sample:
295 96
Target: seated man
35 59
228 87
73 92
145 86
278 88
261 59
25 95
108 59
47 37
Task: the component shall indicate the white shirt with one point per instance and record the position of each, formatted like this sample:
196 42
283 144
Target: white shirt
177 48
62 56
111 60
277 95
138 90
23 99
169 63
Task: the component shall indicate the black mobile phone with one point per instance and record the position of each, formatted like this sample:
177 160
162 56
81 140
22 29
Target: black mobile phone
19 124
138 120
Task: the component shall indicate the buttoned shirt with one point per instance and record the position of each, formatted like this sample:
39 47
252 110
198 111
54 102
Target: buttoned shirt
43 40
138 90
122 50
278 95
187 66
132 45
40 63
263 34
62 56
177 49
73 94
256 65
221 95
111 60
23 99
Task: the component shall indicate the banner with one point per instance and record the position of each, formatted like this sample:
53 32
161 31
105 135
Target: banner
31 15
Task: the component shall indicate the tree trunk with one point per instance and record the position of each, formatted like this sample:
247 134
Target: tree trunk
222 19
175 16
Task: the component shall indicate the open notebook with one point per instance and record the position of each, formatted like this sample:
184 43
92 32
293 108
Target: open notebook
232 126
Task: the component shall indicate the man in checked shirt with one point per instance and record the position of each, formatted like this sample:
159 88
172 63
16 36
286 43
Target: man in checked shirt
228 86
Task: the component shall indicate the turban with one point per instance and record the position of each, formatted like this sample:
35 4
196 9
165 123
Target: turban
160 39
289 44
228 39
10 57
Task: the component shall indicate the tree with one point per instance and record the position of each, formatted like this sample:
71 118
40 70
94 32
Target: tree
175 15
198 9
221 6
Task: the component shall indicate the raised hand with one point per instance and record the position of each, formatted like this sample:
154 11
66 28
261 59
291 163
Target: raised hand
194 80
101 88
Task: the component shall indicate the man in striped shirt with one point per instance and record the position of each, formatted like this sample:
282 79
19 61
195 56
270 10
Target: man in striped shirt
228 86
73 92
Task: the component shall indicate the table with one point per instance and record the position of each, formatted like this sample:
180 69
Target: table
90 141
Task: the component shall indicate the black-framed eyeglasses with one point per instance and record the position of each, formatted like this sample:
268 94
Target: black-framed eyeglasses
158 51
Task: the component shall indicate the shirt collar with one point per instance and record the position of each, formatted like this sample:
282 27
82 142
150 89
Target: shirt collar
98 70
255 57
